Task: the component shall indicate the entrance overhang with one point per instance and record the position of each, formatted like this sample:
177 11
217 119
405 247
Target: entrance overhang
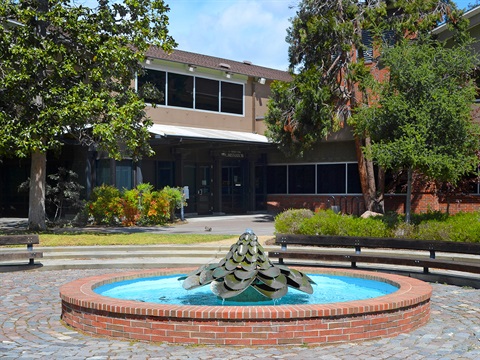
193 133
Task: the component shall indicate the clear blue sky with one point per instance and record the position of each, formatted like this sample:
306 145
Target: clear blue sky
253 30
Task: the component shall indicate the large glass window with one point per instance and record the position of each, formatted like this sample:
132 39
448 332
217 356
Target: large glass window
180 90
124 174
232 98
206 94
151 86
301 179
353 179
277 179
165 174
103 174
186 91
331 179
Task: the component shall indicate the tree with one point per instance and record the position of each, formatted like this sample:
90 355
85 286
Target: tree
68 69
330 81
422 119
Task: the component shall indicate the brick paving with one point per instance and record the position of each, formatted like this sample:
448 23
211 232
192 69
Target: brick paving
30 328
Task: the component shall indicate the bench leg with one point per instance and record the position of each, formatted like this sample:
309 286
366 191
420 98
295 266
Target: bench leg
354 264
425 270
31 262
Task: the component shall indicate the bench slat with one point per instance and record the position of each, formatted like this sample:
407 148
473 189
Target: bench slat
392 243
19 239
20 255
379 259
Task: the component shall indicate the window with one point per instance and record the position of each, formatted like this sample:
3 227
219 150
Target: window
331 179
301 179
206 94
191 92
232 98
180 90
165 174
151 86
366 52
103 172
277 179
353 179
124 174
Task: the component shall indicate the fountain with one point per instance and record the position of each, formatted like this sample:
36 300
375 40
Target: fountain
246 272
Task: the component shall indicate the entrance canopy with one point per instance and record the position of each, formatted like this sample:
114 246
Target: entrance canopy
194 133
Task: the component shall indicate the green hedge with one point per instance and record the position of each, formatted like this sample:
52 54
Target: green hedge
464 227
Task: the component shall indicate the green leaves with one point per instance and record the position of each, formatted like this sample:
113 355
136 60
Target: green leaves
76 77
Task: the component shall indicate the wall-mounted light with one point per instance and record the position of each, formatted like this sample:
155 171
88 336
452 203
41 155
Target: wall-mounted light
148 61
191 68
228 75
261 80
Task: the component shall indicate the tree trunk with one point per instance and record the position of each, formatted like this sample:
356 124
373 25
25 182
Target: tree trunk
38 179
373 198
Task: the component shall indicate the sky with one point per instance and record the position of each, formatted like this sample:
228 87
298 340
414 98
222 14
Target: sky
253 30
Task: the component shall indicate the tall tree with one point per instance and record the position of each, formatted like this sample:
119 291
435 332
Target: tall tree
68 69
422 117
327 40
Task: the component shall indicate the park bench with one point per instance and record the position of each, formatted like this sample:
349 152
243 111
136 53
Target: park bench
12 254
426 254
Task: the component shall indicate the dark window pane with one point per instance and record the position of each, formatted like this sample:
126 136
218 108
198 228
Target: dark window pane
103 172
180 90
367 50
165 174
232 98
277 179
331 179
124 174
151 86
206 94
301 179
353 179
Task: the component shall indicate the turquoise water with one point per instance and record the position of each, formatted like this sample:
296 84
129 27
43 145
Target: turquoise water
169 290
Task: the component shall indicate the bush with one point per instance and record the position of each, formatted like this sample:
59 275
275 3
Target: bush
105 205
174 197
462 227
139 206
289 221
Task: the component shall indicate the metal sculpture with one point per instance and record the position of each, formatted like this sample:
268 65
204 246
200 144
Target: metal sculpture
247 266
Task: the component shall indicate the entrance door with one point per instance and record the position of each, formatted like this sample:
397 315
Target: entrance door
234 187
204 192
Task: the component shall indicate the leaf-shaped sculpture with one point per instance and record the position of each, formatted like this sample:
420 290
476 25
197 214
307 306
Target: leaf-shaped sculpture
246 266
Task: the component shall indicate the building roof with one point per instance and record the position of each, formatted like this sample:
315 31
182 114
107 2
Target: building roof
211 62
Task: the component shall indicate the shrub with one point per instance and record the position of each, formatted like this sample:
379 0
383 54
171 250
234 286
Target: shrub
155 208
174 197
324 222
105 205
289 221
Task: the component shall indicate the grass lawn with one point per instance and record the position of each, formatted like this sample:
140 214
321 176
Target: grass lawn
97 239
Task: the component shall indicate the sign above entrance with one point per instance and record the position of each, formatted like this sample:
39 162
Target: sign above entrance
232 154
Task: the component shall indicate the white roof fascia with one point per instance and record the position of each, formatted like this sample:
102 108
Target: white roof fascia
206 134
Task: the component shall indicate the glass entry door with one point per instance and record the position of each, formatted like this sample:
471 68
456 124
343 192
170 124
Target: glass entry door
204 190
234 187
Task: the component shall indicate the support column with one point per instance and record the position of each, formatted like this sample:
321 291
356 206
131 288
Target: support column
217 186
251 195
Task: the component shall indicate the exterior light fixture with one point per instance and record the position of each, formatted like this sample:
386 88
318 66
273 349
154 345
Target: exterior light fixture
228 75
261 80
191 68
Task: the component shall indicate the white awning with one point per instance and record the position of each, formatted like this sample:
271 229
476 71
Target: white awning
206 134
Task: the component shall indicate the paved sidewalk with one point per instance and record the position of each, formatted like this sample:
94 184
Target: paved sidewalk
30 328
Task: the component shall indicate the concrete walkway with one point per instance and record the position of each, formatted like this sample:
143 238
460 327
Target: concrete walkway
30 326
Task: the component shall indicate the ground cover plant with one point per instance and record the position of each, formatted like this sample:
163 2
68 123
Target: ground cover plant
433 225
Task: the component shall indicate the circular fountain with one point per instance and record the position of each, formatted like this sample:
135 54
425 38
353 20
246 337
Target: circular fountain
246 269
